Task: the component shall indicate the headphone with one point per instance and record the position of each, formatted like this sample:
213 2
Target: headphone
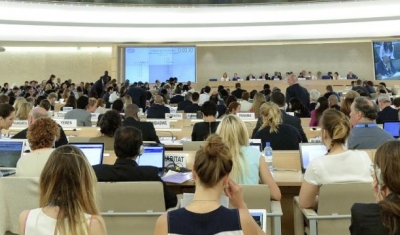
141 149
378 174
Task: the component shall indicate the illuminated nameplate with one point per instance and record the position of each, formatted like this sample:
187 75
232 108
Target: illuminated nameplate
171 160
20 123
173 109
66 109
160 124
94 116
246 116
59 114
174 116
191 116
66 123
290 113
301 79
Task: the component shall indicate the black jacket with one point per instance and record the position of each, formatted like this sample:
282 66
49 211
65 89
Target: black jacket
98 88
298 91
138 96
193 108
157 111
202 130
238 93
182 105
176 99
147 129
287 137
286 119
128 170
62 141
387 114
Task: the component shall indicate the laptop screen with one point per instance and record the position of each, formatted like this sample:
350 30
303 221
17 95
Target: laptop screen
256 146
153 155
93 151
310 151
260 216
393 128
11 151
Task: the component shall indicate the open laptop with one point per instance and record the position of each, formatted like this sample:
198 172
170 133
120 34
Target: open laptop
11 151
310 151
93 151
153 155
257 146
393 127
260 216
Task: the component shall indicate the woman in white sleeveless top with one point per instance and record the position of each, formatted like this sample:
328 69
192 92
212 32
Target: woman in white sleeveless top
67 197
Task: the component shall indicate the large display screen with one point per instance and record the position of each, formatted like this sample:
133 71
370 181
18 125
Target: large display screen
387 60
148 64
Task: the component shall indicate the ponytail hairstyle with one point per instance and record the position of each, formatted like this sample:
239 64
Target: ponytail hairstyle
322 105
212 161
337 125
258 100
271 116
387 161
234 133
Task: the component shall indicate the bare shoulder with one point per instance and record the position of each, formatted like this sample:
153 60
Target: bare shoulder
161 225
97 225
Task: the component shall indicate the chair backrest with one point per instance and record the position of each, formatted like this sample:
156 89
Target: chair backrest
131 196
79 139
337 199
16 195
192 145
257 196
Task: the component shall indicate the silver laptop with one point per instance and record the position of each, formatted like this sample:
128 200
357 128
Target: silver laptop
310 151
93 151
153 155
11 151
260 216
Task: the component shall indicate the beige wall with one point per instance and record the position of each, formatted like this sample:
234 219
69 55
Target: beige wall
212 62
16 67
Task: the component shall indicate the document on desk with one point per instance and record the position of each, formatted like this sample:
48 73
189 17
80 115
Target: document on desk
177 177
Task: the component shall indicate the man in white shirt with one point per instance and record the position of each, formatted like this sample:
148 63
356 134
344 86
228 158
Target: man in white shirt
205 96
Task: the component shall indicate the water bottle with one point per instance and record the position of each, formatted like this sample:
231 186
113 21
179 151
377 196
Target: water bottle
268 156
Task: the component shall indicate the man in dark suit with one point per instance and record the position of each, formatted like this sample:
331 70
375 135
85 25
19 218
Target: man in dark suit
194 107
177 97
127 146
188 86
387 113
138 96
98 86
238 92
295 90
188 101
359 87
35 114
132 119
279 99
157 110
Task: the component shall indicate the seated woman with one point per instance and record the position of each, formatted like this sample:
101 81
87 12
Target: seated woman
249 165
42 134
233 108
258 100
7 115
296 106
281 136
382 217
202 130
204 215
23 111
109 123
101 106
67 197
338 165
322 105
71 102
347 101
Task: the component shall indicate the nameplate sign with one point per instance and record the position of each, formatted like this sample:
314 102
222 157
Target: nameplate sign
66 123
66 109
174 116
59 114
301 79
94 116
171 160
191 116
20 123
246 116
160 124
173 109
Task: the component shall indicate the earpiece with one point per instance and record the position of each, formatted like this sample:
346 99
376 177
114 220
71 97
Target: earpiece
141 150
378 174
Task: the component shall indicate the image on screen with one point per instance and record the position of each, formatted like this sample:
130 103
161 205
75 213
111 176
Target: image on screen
387 60
93 152
148 64
152 156
393 128
10 153
311 151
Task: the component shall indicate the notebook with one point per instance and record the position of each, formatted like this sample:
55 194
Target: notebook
11 151
93 151
310 151
153 155
393 128
260 216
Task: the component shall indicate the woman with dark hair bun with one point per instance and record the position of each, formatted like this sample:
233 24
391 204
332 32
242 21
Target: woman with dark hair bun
296 106
382 217
205 215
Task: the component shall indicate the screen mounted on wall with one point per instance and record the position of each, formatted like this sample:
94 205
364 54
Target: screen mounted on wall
387 60
148 64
